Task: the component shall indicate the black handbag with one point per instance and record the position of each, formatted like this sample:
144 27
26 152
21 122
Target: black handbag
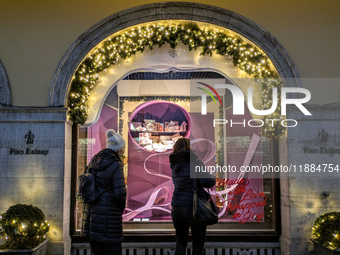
204 211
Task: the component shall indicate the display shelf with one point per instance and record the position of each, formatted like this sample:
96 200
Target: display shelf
152 125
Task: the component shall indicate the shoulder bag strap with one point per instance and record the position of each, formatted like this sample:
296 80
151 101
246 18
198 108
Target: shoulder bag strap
195 187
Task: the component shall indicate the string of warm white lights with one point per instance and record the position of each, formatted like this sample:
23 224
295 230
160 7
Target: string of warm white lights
207 41
23 227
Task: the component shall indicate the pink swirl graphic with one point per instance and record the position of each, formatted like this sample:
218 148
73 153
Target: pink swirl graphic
168 190
150 204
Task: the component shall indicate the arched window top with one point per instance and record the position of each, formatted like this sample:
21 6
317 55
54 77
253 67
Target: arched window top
166 11
5 91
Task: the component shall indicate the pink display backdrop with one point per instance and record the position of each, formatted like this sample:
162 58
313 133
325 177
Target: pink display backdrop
150 186
108 119
238 149
149 182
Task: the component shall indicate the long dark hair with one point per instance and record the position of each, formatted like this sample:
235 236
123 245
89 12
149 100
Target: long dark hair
182 144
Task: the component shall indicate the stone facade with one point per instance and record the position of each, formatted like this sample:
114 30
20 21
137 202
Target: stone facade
39 179
45 180
307 195
38 173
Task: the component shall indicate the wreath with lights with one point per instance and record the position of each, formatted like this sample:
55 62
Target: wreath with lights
207 41
326 230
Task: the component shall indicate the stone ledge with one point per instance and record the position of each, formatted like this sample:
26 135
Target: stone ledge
329 112
34 109
55 248
36 115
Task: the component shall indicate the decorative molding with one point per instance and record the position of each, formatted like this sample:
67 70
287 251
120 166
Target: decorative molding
5 89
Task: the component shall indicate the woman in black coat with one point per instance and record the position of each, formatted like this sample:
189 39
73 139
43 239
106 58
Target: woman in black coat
181 160
102 220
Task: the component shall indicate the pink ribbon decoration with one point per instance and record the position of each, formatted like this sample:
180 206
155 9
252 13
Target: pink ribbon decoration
152 155
150 204
168 190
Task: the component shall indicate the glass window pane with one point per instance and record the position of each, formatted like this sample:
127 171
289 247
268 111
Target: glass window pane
150 125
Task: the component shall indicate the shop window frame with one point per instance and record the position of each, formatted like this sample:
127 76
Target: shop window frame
227 236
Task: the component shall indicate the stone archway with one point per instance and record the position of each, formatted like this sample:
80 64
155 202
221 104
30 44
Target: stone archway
5 90
167 11
69 63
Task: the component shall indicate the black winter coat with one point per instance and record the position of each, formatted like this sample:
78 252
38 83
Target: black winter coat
102 220
180 166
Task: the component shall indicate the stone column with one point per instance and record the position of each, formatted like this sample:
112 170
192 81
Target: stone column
305 196
35 167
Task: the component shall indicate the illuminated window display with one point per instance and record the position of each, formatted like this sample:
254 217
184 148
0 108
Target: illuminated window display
149 181
150 125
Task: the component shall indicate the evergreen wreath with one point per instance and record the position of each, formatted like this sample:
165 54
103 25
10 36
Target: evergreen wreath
23 226
326 230
207 41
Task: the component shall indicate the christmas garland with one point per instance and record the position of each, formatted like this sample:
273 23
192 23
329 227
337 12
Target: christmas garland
245 56
326 230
